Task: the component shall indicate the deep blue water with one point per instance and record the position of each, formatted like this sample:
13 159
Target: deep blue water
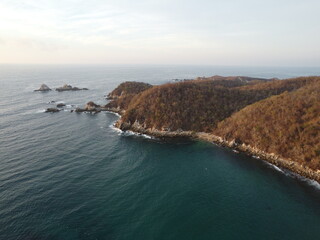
72 176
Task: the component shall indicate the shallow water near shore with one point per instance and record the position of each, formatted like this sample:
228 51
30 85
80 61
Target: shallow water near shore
72 176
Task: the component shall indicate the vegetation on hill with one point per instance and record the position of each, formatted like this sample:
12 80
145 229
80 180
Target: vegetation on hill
279 86
236 78
277 116
200 104
123 94
129 88
287 125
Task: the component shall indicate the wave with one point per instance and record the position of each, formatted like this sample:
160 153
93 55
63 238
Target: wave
41 111
117 114
71 105
274 167
291 174
310 182
118 130
129 133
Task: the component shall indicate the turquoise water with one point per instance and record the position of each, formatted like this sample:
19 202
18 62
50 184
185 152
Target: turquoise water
72 176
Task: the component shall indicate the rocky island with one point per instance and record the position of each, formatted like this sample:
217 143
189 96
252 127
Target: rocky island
43 88
276 120
91 107
52 110
67 87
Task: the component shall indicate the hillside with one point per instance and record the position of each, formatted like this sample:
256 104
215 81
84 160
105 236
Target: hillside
123 94
235 78
200 104
278 120
287 125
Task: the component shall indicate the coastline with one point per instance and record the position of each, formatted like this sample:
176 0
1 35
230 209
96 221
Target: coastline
272 158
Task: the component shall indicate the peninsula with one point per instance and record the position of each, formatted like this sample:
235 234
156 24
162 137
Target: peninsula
275 120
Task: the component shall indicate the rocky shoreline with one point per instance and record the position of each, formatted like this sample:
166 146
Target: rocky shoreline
234 144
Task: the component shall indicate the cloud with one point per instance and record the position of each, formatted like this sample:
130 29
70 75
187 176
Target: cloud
159 31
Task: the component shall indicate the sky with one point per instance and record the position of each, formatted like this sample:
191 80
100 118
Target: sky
199 32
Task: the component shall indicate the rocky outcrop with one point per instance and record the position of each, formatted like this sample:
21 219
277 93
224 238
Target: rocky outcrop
91 107
60 105
52 110
67 87
43 88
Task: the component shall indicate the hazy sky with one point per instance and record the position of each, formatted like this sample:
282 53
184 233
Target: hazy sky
211 32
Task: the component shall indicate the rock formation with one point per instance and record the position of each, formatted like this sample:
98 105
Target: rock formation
60 105
91 107
43 88
52 110
67 87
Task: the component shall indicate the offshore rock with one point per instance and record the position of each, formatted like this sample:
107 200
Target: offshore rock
43 88
91 107
60 105
67 87
52 110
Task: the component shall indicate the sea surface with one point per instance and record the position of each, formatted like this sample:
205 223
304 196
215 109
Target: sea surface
73 176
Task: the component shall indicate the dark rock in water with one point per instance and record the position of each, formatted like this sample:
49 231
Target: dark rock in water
52 110
90 107
67 87
79 110
43 88
60 105
52 102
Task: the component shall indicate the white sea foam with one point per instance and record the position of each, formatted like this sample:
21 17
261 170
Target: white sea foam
141 135
147 136
235 151
40 111
118 130
308 181
70 105
129 133
288 173
313 183
274 167
117 114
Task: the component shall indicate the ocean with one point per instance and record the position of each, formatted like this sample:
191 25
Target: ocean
73 176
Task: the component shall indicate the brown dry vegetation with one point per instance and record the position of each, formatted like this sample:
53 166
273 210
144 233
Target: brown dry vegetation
287 125
123 94
200 104
279 116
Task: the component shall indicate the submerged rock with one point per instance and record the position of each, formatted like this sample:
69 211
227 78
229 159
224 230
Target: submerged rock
67 87
52 110
43 88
